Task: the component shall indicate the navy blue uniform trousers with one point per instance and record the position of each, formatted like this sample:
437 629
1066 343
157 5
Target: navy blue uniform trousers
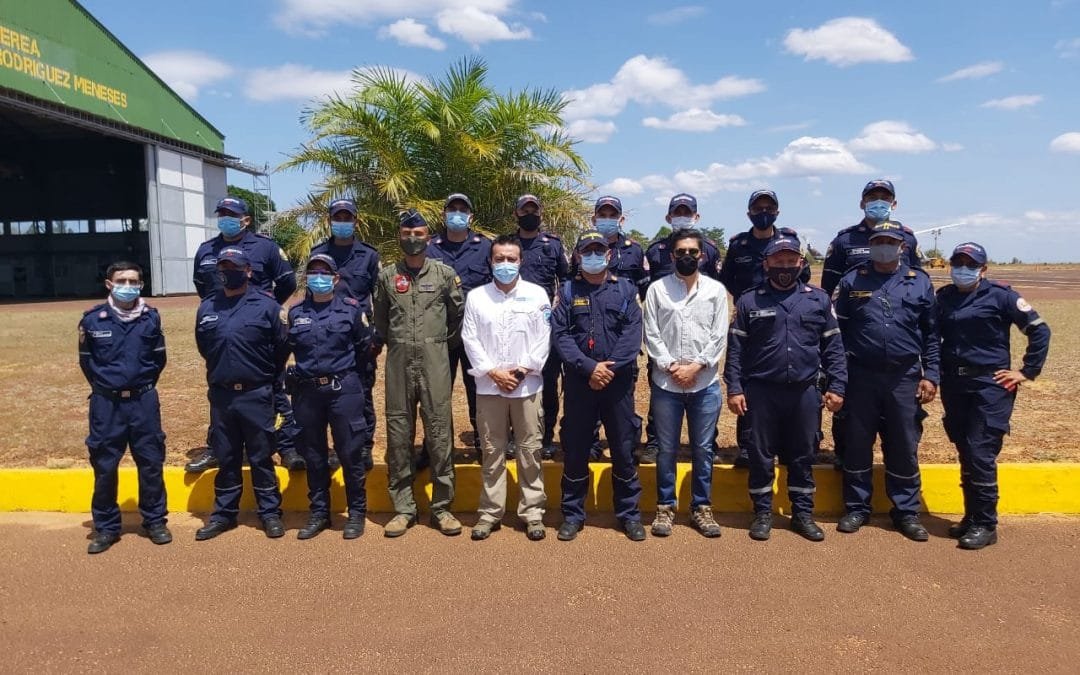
239 421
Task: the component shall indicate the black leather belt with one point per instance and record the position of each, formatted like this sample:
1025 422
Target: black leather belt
123 394
323 380
972 371
242 386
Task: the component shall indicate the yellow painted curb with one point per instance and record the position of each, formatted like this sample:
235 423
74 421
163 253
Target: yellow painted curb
1025 488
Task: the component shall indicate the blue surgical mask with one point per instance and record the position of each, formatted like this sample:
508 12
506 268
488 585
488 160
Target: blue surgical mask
681 222
230 226
126 294
456 221
342 229
885 253
320 283
878 210
964 277
505 272
594 263
232 279
607 226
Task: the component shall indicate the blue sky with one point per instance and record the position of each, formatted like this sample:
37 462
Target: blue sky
972 108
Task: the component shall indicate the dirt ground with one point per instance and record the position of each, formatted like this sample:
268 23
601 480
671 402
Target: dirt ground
241 603
45 414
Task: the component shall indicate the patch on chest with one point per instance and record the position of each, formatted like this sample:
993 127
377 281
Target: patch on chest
857 252
427 287
859 294
762 313
581 302
302 321
402 283
100 334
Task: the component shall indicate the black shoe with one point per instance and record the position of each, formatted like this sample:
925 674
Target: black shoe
957 530
634 530
741 461
332 461
101 542
569 529
910 527
273 527
649 453
978 536
851 522
803 524
354 526
761 527
159 534
202 463
292 461
315 525
548 451
213 529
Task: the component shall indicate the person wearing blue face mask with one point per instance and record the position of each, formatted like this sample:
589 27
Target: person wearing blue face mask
270 272
596 324
358 266
327 333
469 253
122 354
851 247
978 384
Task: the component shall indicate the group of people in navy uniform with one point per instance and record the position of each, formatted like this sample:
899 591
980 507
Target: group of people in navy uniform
871 345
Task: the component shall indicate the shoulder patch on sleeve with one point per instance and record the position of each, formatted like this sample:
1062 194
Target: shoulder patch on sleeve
1023 305
284 316
351 301
281 252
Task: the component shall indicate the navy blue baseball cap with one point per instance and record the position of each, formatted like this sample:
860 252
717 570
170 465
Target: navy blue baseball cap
589 238
971 250
526 199
608 200
411 218
682 199
783 244
323 258
762 193
887 229
458 197
342 205
879 183
232 205
234 255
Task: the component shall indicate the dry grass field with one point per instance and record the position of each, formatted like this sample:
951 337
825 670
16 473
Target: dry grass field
43 417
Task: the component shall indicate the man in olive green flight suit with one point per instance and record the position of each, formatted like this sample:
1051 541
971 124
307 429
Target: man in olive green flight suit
418 306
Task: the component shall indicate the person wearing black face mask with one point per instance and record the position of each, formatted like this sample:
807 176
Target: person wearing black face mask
743 270
543 262
784 332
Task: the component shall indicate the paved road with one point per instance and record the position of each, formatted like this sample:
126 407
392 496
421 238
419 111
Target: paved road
426 603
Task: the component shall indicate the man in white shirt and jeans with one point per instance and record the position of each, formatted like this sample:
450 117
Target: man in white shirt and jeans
686 320
507 335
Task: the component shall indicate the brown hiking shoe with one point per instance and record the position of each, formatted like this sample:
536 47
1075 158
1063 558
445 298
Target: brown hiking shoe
398 525
664 521
446 523
703 521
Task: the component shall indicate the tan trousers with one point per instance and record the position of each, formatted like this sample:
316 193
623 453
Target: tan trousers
494 417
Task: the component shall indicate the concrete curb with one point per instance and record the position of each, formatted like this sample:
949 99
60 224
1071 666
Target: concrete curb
1025 489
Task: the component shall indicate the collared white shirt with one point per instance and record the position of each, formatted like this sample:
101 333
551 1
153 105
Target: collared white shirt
503 330
686 326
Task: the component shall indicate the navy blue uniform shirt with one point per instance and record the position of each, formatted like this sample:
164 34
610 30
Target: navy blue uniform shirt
326 337
270 267
627 261
742 268
975 328
851 247
888 321
115 354
543 262
471 259
659 263
593 323
242 338
784 337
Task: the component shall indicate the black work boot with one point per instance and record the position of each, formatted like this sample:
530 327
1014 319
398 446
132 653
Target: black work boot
978 536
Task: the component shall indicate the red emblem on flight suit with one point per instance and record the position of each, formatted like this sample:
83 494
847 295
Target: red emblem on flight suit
401 283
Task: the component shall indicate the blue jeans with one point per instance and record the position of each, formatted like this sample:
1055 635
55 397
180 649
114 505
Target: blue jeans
702 410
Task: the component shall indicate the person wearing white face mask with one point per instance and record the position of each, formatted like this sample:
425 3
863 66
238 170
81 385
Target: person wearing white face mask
978 384
507 336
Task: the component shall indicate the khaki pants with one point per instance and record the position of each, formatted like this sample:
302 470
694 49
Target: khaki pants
494 416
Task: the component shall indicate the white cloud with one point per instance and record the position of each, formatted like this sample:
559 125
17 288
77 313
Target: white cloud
847 41
476 26
643 79
1067 142
974 72
676 15
1068 49
1013 102
694 119
188 71
891 136
412 33
295 82
591 130
952 147
623 186
797 126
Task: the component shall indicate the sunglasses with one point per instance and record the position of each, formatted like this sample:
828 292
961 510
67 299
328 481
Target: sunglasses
692 252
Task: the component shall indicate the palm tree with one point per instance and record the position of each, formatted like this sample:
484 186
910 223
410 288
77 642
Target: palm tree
395 143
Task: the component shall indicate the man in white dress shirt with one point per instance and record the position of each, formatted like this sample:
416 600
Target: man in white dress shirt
686 320
507 335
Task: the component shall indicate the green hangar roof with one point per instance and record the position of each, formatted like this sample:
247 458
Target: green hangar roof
56 59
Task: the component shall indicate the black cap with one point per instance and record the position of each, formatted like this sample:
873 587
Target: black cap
762 193
411 218
342 205
887 229
323 258
783 244
682 199
458 197
971 250
879 183
588 238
